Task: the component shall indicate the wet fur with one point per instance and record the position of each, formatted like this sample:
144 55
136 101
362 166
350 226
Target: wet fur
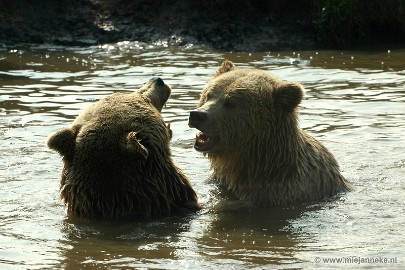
263 156
117 160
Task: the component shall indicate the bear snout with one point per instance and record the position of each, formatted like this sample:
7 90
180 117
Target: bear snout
158 81
197 118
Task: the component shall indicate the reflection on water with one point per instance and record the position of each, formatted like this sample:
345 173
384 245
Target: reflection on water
355 104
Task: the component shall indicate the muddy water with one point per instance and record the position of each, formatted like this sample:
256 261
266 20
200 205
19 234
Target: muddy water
355 104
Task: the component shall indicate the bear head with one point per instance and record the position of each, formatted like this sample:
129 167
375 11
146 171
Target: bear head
239 104
119 124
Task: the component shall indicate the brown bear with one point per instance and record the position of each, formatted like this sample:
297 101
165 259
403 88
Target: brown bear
249 130
117 160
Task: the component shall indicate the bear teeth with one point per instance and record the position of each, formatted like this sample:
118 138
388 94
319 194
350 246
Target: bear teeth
202 138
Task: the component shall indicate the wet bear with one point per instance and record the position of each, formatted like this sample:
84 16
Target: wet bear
249 130
117 159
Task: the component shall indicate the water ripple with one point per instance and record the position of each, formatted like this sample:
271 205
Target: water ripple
354 104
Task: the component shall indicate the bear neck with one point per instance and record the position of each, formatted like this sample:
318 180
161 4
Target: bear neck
268 169
145 191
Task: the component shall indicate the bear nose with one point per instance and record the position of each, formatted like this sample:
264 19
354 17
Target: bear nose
197 117
158 81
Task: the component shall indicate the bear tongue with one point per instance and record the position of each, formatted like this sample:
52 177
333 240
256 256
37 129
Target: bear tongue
202 139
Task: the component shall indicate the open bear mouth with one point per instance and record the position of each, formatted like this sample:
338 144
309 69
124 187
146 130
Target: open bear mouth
204 142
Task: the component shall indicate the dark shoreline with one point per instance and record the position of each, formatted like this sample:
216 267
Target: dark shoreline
242 26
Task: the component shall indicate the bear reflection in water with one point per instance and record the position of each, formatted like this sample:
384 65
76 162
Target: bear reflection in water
117 159
249 130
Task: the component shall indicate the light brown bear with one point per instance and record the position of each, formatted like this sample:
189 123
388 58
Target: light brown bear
117 160
249 129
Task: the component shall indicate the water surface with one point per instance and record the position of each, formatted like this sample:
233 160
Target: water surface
354 104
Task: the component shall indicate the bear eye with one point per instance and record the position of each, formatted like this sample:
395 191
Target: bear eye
229 103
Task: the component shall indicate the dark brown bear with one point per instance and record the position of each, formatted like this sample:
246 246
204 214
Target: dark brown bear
117 160
249 130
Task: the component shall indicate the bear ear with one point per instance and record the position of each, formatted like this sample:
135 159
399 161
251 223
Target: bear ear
288 95
63 141
225 67
133 145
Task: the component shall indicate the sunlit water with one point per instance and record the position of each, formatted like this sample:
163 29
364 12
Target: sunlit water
355 105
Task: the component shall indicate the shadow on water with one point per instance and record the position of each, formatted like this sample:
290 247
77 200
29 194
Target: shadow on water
262 233
238 234
230 233
92 242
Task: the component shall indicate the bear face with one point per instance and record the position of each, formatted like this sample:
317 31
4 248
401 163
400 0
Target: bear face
227 99
117 158
248 122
